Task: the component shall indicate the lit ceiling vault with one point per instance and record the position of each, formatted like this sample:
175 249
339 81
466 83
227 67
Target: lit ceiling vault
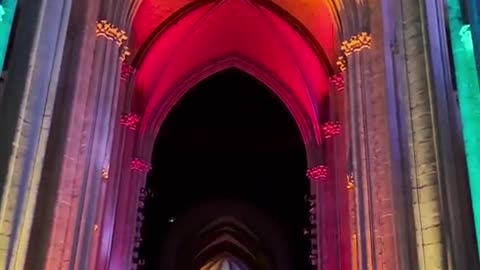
227 243
225 262
288 45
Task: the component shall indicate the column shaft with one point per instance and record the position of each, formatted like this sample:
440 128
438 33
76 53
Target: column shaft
371 144
27 107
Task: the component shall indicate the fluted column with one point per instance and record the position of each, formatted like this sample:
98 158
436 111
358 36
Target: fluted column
424 174
370 143
26 112
441 218
338 138
116 190
105 121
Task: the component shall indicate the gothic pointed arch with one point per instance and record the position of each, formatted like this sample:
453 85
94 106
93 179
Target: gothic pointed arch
265 42
226 234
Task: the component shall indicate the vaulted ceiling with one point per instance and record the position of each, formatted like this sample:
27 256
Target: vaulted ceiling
293 41
319 16
224 263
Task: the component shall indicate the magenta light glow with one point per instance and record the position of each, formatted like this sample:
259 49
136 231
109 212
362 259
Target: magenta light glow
318 173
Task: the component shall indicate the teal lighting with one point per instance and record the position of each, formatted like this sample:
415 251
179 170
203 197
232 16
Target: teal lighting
466 37
7 12
2 12
469 100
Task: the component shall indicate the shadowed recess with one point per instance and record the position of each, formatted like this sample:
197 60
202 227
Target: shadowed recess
229 138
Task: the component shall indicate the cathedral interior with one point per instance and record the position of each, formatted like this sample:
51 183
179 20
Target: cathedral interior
240 134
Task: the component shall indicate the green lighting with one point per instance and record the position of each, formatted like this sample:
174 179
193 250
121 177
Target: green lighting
2 12
7 12
469 99
466 37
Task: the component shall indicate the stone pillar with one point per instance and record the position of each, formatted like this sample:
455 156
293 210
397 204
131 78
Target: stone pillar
26 113
80 147
317 175
437 178
327 215
370 142
53 230
335 134
117 186
104 116
423 157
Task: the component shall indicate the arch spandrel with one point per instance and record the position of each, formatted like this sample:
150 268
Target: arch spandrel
150 14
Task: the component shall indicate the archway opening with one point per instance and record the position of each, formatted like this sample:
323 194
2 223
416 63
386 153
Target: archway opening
228 139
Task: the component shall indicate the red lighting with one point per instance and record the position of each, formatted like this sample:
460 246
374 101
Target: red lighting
139 165
127 71
130 120
338 82
275 53
331 129
318 173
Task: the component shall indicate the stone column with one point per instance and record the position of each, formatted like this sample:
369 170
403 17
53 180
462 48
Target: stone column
51 242
104 116
116 189
328 215
317 175
370 142
338 132
79 149
26 114
437 178
423 157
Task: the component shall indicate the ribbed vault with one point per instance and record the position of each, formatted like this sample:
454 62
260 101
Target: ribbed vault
225 262
239 33
227 243
321 17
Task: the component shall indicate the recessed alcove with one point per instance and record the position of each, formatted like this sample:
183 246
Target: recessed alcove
229 139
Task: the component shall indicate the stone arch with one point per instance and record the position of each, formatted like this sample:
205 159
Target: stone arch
310 131
248 221
308 113
306 110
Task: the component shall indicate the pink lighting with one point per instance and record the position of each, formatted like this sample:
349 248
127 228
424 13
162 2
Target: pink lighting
127 71
275 53
318 173
331 129
338 82
138 260
130 120
312 231
139 165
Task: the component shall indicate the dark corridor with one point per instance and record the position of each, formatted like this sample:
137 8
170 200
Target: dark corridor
232 145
